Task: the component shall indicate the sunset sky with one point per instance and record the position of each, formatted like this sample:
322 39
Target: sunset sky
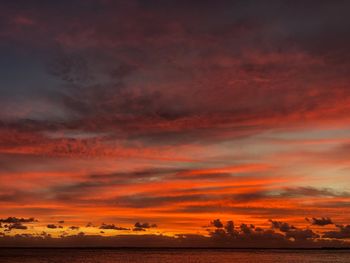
157 117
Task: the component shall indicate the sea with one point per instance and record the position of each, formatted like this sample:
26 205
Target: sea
70 255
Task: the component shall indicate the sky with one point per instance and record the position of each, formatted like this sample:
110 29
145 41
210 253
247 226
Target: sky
149 122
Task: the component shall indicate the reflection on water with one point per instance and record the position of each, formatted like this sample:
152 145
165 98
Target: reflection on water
171 255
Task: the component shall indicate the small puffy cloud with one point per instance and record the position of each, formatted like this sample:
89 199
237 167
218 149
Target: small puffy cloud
143 226
17 225
301 234
217 223
282 226
323 221
44 234
112 227
293 232
247 229
53 226
342 233
17 220
230 227
74 228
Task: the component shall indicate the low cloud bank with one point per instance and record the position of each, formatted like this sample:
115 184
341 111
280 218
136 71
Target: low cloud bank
220 234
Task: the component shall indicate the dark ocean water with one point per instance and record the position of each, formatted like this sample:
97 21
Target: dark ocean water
171 255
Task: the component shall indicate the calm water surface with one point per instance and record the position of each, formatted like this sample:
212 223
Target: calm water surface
171 256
